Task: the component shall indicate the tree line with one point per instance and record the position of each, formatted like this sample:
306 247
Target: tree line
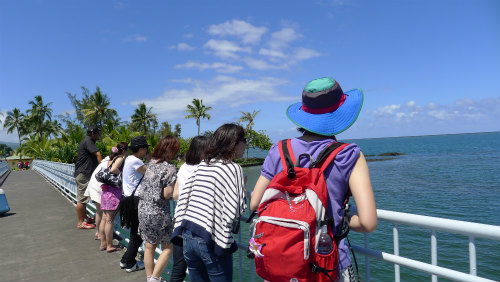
57 138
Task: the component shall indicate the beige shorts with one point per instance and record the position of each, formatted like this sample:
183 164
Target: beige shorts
82 180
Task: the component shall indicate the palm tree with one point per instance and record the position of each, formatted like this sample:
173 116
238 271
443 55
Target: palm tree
197 111
143 118
38 112
248 117
36 146
14 121
96 111
53 128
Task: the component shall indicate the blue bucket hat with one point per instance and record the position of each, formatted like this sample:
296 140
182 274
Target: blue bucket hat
325 109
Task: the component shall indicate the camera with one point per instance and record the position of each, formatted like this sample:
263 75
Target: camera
235 227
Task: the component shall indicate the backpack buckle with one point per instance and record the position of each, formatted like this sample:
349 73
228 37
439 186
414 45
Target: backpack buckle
326 221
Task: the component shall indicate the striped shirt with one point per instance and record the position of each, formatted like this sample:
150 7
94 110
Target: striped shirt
214 195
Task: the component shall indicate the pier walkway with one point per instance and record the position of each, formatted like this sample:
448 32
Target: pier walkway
39 240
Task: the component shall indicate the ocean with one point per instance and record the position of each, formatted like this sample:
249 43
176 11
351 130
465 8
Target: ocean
449 176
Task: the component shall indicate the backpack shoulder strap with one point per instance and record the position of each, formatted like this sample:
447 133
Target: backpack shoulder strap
327 155
287 157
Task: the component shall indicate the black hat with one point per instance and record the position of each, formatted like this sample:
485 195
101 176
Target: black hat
139 142
92 129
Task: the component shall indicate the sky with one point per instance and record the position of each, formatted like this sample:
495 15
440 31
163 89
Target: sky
425 67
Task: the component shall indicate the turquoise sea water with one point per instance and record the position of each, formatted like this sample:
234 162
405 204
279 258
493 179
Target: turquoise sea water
449 176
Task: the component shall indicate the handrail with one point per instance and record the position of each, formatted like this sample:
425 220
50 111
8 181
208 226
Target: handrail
61 176
470 229
4 167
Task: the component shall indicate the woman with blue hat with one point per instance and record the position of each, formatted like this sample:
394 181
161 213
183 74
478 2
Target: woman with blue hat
325 111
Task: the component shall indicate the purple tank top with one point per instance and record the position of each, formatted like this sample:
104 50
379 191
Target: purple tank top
337 178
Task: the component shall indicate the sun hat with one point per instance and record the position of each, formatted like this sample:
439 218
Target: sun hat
139 142
325 109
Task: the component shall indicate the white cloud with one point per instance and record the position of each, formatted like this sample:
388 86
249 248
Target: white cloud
262 64
184 47
282 38
301 54
222 92
272 53
136 38
386 110
248 33
225 49
217 66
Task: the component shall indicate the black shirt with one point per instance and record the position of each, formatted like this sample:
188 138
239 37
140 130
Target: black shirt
86 161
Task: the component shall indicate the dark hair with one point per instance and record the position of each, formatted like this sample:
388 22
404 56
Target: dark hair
166 149
194 155
122 146
92 129
222 144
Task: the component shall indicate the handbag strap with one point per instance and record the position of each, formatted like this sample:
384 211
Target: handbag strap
137 185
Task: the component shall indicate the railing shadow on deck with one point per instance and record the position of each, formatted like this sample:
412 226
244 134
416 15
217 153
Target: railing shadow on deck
61 176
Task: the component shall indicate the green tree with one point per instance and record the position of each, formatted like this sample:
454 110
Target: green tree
177 130
258 139
198 111
38 113
248 117
14 121
36 146
5 151
96 111
143 118
53 128
120 134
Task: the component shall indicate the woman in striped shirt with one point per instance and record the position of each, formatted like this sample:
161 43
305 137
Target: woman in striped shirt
212 200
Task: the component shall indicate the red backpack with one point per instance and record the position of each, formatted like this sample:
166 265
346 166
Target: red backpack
291 213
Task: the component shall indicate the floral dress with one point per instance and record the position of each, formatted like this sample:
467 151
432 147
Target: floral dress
155 222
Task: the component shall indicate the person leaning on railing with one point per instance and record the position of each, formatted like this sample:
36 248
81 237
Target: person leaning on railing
133 171
325 111
87 160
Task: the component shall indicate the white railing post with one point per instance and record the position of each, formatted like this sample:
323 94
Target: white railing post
397 275
434 253
472 256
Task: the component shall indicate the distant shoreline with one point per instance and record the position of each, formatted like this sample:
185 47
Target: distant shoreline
409 136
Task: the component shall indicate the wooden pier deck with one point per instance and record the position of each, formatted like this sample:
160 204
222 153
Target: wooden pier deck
39 240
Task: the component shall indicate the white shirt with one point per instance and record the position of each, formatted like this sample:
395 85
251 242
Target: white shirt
183 175
131 176
93 183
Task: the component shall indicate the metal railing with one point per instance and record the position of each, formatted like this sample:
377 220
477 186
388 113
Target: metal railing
4 168
469 229
61 176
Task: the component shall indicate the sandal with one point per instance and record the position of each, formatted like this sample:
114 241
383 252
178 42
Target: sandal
85 225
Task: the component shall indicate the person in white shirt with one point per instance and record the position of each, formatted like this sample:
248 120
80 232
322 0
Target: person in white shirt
132 174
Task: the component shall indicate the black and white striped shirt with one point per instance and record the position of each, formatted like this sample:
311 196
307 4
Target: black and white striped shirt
214 195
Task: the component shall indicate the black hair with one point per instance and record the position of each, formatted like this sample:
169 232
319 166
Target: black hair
92 129
222 144
122 146
194 155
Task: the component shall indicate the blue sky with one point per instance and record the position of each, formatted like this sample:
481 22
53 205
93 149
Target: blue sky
426 67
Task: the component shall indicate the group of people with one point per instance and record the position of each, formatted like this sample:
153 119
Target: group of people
210 188
23 165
